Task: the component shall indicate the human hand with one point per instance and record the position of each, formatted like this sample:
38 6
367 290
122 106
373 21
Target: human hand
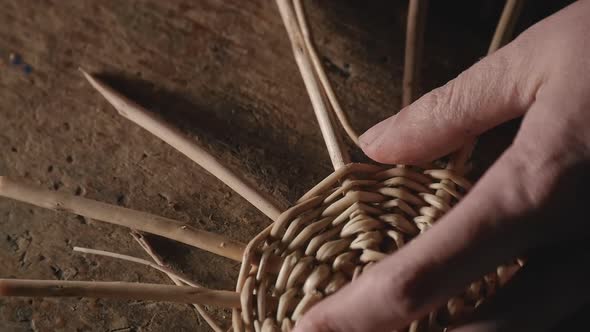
531 201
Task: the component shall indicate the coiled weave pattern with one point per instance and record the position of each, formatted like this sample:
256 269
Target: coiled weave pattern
352 219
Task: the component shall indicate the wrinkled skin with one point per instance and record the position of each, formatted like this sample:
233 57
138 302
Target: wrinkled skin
530 202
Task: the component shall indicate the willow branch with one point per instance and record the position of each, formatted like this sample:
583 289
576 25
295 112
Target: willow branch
140 116
414 47
321 73
177 278
121 216
141 261
505 26
118 290
338 154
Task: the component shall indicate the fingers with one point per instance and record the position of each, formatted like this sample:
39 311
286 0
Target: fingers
498 88
493 222
547 290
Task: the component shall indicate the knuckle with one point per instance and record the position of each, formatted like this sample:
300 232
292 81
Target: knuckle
528 39
314 321
410 289
534 176
447 98
407 303
442 104
527 195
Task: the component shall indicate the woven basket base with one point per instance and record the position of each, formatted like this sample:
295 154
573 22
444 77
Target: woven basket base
348 222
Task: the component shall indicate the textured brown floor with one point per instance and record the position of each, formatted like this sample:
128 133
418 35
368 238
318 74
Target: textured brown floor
220 70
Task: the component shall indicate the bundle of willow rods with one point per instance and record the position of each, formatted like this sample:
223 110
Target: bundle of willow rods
348 222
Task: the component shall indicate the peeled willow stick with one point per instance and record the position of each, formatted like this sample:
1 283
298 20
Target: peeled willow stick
414 46
141 261
176 278
118 290
506 24
338 154
321 73
144 244
139 115
121 216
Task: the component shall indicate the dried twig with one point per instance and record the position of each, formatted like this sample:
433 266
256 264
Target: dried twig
177 278
414 46
505 27
321 73
134 112
144 244
336 149
118 290
128 258
151 252
121 216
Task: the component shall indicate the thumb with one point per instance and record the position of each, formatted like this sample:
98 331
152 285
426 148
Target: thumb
497 89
